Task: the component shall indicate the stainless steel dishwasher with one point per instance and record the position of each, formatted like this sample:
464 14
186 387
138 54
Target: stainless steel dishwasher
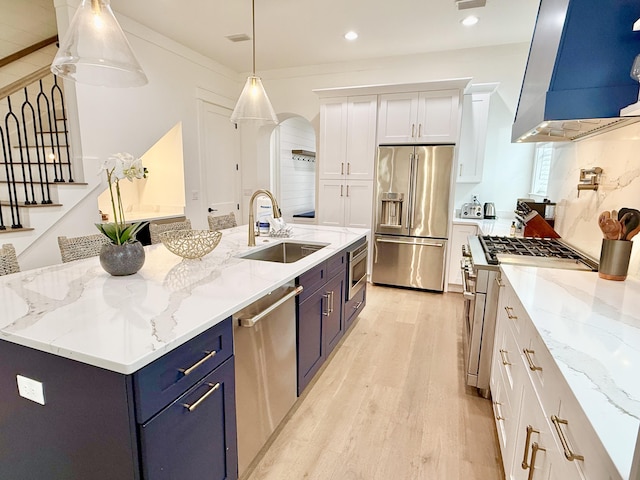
264 335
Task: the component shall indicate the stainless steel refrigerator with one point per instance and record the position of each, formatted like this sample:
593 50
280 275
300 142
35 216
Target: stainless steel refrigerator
413 185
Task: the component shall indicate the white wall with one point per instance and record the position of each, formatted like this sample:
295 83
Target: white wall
616 152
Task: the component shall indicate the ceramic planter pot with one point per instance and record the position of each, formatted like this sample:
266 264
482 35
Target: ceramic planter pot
125 259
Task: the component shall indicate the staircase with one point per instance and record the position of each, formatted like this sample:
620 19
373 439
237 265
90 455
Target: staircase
38 179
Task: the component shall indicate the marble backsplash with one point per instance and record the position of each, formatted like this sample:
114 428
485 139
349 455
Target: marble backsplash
618 154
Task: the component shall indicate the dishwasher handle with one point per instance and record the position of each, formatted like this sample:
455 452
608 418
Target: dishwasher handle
251 321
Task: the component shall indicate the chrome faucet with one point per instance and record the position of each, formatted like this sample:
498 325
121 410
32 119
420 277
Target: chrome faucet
276 213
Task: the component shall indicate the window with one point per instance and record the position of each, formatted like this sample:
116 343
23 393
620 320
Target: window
541 168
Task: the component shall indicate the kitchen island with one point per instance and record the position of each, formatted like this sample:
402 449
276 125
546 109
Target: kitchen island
591 328
97 347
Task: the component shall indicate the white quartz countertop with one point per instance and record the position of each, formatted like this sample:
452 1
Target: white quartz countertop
498 226
78 311
591 327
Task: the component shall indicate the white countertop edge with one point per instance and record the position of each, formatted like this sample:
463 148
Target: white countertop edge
284 273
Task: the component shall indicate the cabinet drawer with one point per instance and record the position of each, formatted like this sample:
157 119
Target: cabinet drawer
337 264
312 280
161 382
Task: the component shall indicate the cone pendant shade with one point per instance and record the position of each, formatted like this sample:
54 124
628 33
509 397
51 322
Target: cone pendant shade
95 50
253 104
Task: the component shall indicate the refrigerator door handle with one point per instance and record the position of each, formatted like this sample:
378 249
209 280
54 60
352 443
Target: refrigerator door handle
412 192
401 242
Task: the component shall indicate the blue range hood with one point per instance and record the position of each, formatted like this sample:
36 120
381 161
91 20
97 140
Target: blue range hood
578 73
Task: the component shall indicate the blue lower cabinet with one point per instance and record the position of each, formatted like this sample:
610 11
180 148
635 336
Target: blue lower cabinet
309 333
332 326
354 306
195 436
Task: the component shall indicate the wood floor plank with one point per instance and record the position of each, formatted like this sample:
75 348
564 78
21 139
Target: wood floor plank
391 403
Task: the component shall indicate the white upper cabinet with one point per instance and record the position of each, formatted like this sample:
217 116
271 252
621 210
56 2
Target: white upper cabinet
473 133
347 137
419 117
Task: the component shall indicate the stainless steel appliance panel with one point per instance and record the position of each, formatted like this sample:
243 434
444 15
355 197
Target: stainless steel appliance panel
409 262
356 270
430 199
265 356
393 180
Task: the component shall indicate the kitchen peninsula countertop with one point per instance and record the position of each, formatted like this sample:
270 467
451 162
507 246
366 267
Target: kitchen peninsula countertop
591 327
78 311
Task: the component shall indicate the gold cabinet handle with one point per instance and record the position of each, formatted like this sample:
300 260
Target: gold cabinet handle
341 168
357 305
413 130
341 187
534 453
348 168
532 366
187 371
498 414
525 459
499 282
565 444
419 130
347 190
195 405
510 314
504 358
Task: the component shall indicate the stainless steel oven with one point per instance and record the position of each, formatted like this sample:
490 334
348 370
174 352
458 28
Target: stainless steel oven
356 269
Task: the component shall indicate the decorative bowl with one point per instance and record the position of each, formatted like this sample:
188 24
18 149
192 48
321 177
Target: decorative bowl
190 243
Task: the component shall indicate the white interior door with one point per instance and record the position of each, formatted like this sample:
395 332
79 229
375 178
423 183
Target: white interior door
220 142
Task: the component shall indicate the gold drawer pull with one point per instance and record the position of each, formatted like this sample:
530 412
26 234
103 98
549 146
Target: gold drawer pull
534 452
532 366
499 282
510 314
504 358
565 444
498 413
525 459
187 371
195 405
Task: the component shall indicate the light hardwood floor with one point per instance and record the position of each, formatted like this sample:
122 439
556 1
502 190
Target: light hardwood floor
391 403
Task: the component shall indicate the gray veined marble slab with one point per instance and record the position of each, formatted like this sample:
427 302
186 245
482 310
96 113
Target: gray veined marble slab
78 311
591 327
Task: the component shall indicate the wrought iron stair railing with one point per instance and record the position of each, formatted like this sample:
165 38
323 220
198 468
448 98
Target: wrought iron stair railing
34 142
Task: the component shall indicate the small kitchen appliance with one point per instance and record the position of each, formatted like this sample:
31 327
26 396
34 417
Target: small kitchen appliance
471 210
489 210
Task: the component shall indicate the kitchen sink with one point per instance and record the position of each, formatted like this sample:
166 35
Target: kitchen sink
285 252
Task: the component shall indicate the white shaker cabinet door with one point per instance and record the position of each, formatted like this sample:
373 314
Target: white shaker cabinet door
361 137
331 200
333 139
358 204
438 117
397 118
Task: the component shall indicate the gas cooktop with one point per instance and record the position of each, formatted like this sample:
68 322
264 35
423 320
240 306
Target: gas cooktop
544 252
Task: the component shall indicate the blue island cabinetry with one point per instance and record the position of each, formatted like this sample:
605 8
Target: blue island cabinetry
174 418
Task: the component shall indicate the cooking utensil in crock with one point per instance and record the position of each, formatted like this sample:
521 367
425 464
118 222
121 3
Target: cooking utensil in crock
630 221
632 233
611 227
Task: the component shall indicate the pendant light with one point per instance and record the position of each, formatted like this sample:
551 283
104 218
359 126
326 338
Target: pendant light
253 103
95 50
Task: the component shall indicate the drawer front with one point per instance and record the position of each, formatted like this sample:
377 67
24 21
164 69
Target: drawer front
312 280
353 307
161 382
541 368
337 264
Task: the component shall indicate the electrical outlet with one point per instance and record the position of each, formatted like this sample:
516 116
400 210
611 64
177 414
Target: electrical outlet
195 195
30 389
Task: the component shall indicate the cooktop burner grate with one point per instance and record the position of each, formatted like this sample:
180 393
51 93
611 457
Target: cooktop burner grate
529 247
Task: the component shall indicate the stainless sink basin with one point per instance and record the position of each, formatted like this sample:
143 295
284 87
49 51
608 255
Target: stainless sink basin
285 252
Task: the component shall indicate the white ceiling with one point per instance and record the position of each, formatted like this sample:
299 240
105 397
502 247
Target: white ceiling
293 33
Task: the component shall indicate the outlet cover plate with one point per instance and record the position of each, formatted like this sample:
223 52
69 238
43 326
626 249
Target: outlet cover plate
30 389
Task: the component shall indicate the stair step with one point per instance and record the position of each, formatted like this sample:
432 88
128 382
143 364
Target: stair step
5 203
50 183
14 230
18 163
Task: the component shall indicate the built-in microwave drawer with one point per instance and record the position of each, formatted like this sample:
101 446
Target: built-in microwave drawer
164 380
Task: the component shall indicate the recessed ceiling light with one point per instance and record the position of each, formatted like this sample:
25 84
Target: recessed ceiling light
470 20
351 35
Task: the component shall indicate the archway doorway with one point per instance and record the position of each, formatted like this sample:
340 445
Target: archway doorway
293 169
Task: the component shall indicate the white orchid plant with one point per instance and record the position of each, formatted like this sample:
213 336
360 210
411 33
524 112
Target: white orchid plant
118 167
